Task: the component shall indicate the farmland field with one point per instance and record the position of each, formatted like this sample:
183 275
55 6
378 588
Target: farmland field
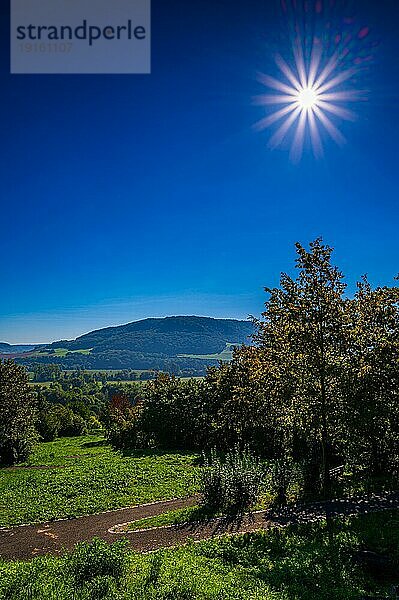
89 477
59 352
225 355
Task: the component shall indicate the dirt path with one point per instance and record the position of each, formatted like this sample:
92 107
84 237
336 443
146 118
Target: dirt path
26 541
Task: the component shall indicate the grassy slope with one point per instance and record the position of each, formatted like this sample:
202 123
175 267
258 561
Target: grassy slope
95 478
59 352
305 562
225 355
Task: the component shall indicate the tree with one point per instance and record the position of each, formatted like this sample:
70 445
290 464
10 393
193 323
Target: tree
172 414
301 341
372 380
46 372
17 414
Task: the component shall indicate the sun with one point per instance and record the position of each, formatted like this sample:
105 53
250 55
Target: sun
307 98
314 84
308 95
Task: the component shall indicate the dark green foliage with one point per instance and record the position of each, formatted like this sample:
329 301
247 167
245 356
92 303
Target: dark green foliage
166 413
17 414
57 420
121 420
46 372
231 484
172 413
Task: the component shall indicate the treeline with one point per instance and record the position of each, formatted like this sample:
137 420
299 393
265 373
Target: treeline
320 387
71 406
42 373
76 405
122 360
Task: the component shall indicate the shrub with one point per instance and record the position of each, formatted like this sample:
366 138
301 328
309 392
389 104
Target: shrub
97 560
231 484
287 480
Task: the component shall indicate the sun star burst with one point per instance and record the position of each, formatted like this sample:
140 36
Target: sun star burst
329 55
310 98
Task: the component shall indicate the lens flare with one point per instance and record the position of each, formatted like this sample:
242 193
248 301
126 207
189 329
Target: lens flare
317 81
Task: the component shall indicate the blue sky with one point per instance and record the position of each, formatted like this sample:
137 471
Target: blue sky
124 197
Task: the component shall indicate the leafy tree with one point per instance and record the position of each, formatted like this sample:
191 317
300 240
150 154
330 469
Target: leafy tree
172 415
372 380
17 414
46 372
238 405
302 340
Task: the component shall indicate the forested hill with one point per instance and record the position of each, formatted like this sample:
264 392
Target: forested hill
169 336
180 345
16 348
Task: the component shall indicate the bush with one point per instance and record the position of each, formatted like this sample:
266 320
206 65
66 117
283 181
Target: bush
287 480
57 420
97 560
231 484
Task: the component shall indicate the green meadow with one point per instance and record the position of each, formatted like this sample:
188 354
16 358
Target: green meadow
90 477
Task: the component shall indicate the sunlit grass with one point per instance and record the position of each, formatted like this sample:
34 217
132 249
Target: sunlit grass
93 477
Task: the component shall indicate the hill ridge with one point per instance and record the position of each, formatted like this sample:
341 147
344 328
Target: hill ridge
169 343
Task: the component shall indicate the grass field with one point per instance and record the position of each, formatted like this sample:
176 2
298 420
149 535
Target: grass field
60 352
124 381
93 478
225 355
305 562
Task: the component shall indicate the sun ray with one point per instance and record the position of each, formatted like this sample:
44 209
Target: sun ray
329 126
284 68
349 96
282 131
335 81
314 64
315 135
274 117
338 111
300 63
272 99
299 138
275 84
328 69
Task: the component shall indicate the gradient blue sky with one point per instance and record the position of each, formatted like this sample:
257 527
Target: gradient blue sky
124 197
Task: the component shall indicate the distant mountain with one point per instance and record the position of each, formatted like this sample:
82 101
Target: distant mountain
170 336
16 348
170 343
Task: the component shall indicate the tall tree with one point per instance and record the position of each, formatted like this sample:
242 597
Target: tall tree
372 379
302 340
17 413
